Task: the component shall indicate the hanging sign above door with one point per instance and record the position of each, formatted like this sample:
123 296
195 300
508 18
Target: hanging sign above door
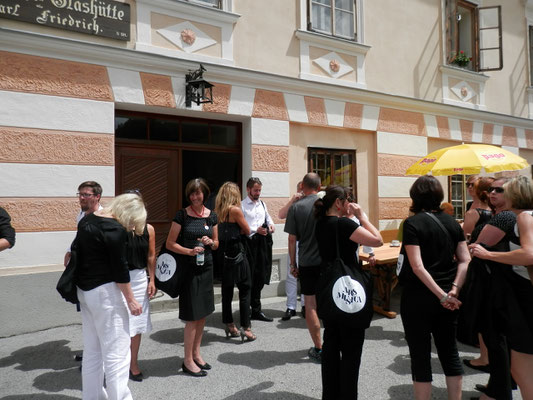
105 18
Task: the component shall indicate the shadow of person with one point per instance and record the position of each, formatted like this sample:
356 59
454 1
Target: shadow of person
58 381
265 359
39 396
258 392
55 355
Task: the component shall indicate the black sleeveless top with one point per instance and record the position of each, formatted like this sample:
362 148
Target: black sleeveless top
137 250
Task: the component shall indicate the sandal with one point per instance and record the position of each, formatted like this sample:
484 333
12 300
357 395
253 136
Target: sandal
231 331
247 335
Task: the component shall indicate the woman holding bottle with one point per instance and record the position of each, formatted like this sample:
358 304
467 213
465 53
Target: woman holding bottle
194 233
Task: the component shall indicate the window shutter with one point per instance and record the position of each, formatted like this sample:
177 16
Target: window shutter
451 30
489 37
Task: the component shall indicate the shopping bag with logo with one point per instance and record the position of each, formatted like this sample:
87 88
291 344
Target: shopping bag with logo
344 293
169 272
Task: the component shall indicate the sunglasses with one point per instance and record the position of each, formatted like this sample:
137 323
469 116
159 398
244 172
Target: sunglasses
496 189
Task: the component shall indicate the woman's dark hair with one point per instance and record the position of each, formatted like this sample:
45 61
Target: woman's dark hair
426 193
197 184
333 193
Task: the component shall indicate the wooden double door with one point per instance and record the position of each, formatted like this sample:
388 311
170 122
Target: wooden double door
161 173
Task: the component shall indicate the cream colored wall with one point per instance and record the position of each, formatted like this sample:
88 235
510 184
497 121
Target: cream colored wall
406 47
263 38
506 89
364 144
45 30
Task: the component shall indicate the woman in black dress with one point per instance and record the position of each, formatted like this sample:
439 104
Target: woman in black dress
431 279
231 228
343 342
194 233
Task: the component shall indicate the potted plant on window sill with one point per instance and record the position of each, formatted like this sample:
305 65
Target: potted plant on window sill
461 59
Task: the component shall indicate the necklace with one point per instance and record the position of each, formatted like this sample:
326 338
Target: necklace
198 215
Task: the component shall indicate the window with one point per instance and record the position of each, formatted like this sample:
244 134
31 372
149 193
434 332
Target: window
210 3
475 31
335 167
458 195
333 17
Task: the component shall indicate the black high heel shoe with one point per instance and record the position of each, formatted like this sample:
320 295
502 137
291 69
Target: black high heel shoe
205 366
248 338
231 332
189 372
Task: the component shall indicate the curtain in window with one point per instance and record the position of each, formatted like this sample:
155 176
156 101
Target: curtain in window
321 13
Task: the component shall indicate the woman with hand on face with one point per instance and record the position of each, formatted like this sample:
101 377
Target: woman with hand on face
105 294
431 279
194 233
514 284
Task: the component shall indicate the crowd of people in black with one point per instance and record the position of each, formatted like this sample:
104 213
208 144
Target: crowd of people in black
469 282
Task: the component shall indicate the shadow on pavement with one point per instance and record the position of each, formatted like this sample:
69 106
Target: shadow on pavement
54 355
257 392
39 396
265 359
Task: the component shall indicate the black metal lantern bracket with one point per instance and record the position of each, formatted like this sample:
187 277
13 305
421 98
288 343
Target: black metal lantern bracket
197 89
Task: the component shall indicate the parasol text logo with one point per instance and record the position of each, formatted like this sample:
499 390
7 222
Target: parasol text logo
488 156
428 161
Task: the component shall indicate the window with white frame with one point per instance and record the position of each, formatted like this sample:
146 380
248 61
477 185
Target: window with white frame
333 17
211 3
473 36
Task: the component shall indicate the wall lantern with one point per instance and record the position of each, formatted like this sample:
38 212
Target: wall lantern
197 88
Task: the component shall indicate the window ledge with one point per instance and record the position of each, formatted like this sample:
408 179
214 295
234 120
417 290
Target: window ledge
346 45
462 73
195 9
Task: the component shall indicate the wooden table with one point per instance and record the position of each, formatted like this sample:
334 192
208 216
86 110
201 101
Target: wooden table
384 273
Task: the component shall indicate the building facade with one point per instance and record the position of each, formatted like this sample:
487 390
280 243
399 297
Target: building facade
356 90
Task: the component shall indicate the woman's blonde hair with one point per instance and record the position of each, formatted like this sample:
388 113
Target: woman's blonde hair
128 209
228 196
519 192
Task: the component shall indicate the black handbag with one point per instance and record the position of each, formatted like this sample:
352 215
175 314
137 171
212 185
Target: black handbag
344 294
66 286
169 272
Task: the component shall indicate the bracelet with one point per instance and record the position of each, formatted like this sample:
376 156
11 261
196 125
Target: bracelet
294 266
456 285
444 298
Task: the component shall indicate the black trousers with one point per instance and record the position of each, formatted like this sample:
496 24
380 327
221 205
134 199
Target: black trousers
228 285
341 359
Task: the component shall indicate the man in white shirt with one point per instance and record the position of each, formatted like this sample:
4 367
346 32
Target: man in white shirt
260 243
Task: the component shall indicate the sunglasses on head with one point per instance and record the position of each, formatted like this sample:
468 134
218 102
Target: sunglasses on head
496 189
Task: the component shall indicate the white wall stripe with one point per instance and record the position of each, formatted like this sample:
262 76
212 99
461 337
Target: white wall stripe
497 134
512 149
52 180
296 107
275 184
37 248
335 112
401 144
387 224
394 186
28 110
477 132
370 118
431 125
241 101
127 86
521 137
455 129
269 131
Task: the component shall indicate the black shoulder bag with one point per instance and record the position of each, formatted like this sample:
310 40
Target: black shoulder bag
66 286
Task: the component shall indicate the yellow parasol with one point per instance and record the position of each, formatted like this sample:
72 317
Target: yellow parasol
467 159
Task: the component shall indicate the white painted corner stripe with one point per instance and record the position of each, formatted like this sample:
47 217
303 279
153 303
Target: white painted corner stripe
521 137
127 86
455 129
270 132
275 184
497 134
335 112
401 144
296 107
431 125
241 101
52 180
477 132
370 118
28 110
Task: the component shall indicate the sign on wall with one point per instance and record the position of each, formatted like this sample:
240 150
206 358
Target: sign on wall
106 18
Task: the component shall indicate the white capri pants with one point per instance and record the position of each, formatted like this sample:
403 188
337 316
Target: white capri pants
106 343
